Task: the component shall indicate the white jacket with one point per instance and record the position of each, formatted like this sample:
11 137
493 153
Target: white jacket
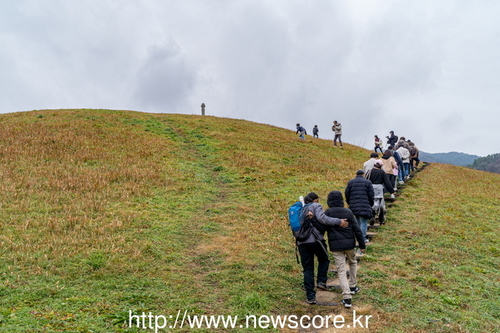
404 153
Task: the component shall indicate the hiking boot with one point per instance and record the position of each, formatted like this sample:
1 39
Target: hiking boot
311 301
322 286
346 302
355 290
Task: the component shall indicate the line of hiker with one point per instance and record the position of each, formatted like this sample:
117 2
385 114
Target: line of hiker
336 128
405 157
347 228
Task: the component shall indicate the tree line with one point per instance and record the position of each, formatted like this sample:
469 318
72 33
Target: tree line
490 163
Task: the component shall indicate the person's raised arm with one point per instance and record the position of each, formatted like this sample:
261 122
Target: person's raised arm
317 211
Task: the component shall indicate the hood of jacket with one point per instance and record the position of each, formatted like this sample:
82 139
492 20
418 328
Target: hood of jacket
335 199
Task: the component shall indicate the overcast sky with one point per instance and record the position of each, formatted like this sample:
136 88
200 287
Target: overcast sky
429 70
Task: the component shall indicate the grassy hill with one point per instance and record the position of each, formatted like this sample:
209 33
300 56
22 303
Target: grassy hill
105 212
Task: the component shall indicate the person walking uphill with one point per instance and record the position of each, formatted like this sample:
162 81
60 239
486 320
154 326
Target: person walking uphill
390 167
368 165
337 128
405 156
392 140
315 132
342 242
399 162
302 131
378 144
360 197
380 182
316 246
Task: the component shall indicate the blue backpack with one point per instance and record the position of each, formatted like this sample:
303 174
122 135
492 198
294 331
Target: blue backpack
302 227
295 215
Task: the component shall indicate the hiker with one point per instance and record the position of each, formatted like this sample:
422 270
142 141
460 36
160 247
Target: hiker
380 182
316 247
392 140
359 196
302 131
315 132
378 144
337 129
404 152
399 161
368 165
414 153
342 242
390 167
402 142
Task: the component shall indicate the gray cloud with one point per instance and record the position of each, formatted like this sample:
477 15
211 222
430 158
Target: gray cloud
164 80
373 65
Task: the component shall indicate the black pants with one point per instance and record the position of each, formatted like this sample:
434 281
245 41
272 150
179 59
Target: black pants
414 163
307 252
392 180
337 136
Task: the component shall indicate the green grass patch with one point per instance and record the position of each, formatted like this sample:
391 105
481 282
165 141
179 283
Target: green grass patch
106 212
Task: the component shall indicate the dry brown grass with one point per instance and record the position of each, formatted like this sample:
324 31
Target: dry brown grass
69 182
192 210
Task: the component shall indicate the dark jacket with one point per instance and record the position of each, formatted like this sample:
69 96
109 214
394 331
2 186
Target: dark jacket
301 129
392 140
342 239
378 176
398 158
360 196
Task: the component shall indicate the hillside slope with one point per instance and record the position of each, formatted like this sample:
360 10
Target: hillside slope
106 212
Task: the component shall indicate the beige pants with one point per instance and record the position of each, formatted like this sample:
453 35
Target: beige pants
341 259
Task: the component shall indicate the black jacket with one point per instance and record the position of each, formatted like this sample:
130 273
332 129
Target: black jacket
360 196
392 140
378 176
342 239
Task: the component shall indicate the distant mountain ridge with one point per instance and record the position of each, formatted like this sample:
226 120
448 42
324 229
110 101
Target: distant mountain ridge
490 163
454 158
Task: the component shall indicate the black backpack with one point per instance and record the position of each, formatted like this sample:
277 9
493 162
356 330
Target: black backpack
309 226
